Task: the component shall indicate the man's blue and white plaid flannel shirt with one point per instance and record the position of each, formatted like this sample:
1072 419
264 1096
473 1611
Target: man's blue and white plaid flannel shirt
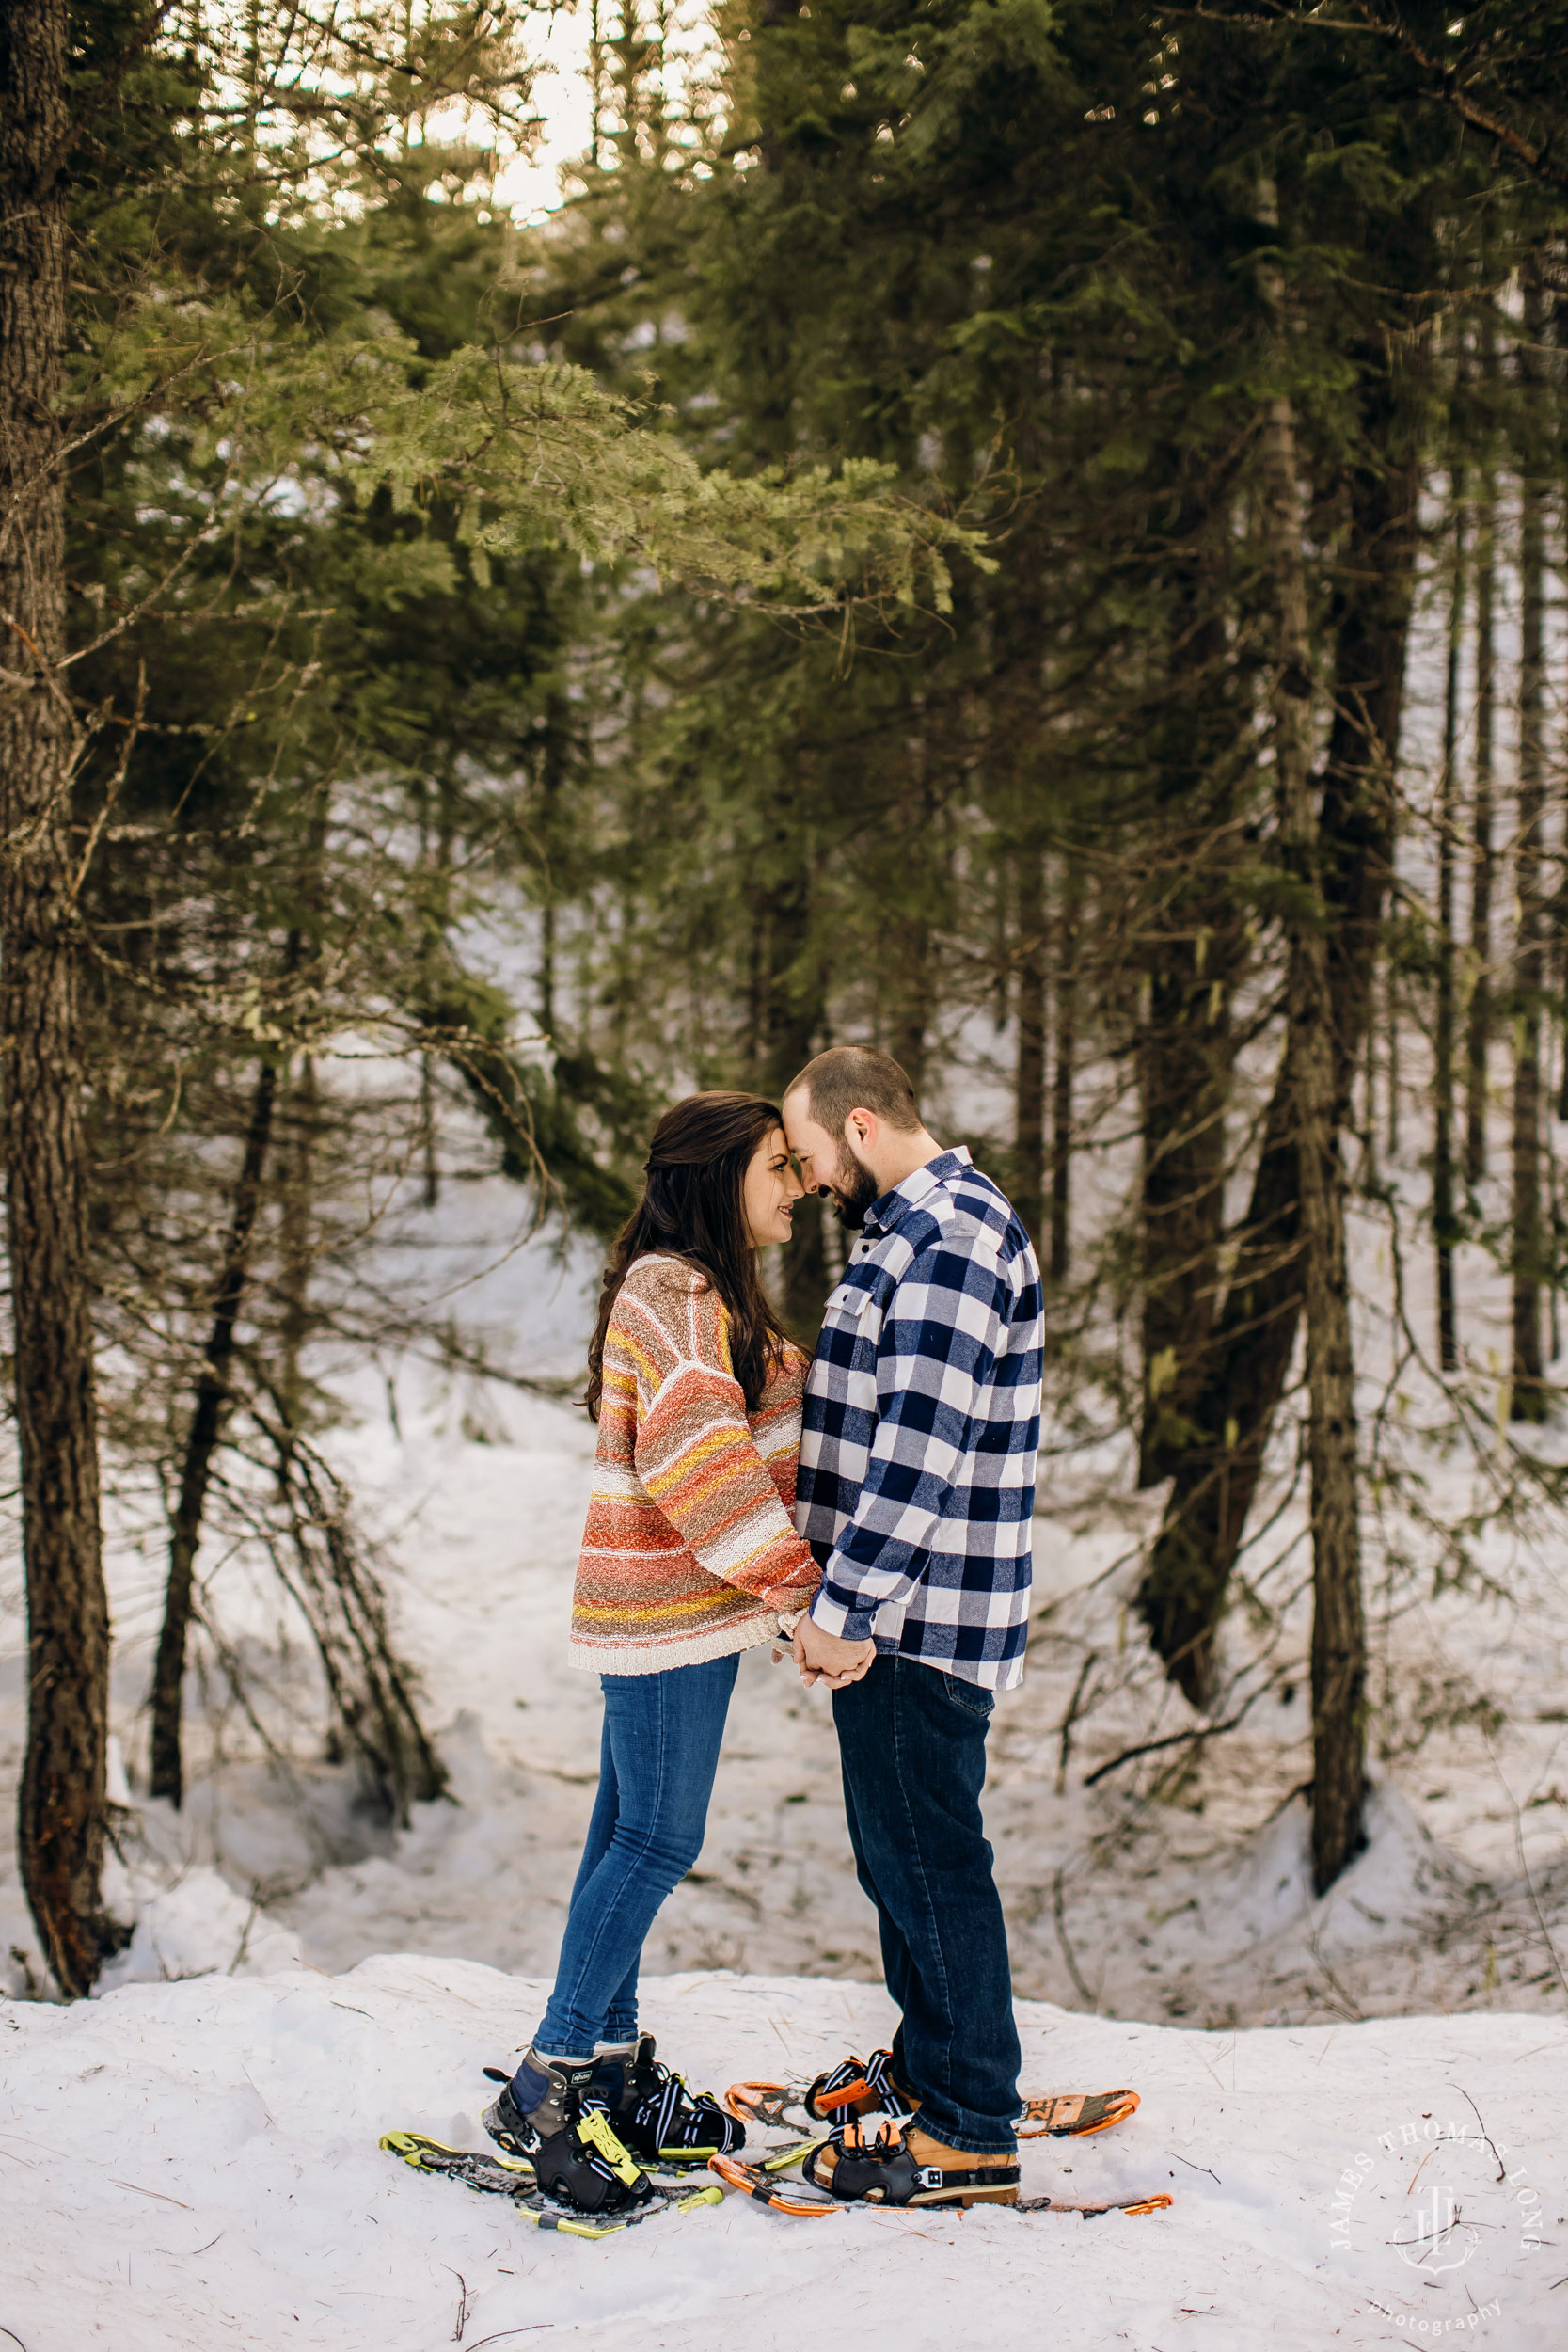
921 1429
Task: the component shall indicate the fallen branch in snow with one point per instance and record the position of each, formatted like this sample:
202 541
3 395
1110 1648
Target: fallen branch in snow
1502 2168
462 2303
244 1943
532 2330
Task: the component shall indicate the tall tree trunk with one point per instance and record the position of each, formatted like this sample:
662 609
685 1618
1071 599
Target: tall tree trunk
915 887
1444 1231
1186 1047
788 1014
1184 1068
1029 1084
1339 1631
60 1820
202 1441
1529 1396
1391 1015
436 862
554 761
1372 1157
1182 1593
907 971
1479 1026
1002 985
1064 1024
296 1259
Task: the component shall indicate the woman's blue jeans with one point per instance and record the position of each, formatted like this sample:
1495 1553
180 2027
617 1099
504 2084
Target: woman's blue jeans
657 1757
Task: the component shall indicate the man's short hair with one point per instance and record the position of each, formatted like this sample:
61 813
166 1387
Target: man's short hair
857 1078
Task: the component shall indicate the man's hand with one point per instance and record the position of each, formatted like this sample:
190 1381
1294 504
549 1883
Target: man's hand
823 1658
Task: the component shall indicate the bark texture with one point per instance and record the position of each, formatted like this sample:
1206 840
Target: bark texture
1182 1593
61 1813
1338 1632
788 1012
1185 1045
1066 1023
1479 1026
1529 1395
1445 1232
1029 1074
910 964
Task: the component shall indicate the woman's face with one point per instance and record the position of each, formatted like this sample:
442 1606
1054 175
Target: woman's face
768 1191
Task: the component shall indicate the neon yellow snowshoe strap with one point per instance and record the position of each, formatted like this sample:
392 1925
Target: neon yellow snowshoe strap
596 2129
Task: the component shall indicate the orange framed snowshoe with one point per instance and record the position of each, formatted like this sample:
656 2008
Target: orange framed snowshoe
1074 2114
867 2086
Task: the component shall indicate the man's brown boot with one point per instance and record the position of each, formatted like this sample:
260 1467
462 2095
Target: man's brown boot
901 2167
926 2150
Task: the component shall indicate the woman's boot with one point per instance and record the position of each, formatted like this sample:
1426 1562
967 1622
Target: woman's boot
545 2114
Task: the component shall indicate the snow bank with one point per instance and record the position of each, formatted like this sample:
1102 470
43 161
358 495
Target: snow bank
191 2166
196 1927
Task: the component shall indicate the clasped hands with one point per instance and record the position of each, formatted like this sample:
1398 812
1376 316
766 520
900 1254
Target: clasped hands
823 1658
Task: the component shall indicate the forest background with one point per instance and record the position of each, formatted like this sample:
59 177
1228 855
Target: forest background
1031 536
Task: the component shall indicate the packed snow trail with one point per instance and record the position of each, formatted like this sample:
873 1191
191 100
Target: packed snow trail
190 2167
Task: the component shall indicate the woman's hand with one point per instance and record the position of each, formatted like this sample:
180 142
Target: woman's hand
823 1658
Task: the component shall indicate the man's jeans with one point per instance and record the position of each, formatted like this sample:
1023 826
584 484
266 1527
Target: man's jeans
657 1757
912 1742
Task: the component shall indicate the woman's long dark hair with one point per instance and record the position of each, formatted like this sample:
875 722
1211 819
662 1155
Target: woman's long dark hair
692 1208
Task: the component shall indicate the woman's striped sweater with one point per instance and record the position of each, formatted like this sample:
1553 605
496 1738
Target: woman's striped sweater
689 1551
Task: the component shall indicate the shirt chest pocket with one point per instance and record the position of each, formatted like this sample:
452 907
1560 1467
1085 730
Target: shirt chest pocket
849 1310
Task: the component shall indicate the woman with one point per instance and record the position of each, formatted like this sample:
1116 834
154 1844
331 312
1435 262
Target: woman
689 1556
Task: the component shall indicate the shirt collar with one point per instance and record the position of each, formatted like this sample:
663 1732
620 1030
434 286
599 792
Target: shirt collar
890 1208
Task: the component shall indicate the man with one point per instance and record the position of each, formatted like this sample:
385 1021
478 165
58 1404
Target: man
916 1495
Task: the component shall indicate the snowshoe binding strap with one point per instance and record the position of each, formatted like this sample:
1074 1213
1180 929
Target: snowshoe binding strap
857 2090
883 2172
685 2128
657 2114
585 2167
596 2131
854 2086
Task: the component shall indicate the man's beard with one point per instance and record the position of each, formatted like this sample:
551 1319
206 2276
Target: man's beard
853 1187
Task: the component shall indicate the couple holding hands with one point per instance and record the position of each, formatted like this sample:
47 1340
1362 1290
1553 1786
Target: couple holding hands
873 1507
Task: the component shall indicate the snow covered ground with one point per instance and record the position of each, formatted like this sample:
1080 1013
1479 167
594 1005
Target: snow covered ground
193 2165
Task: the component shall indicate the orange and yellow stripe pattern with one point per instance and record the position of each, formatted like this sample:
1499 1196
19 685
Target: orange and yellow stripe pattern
689 1551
